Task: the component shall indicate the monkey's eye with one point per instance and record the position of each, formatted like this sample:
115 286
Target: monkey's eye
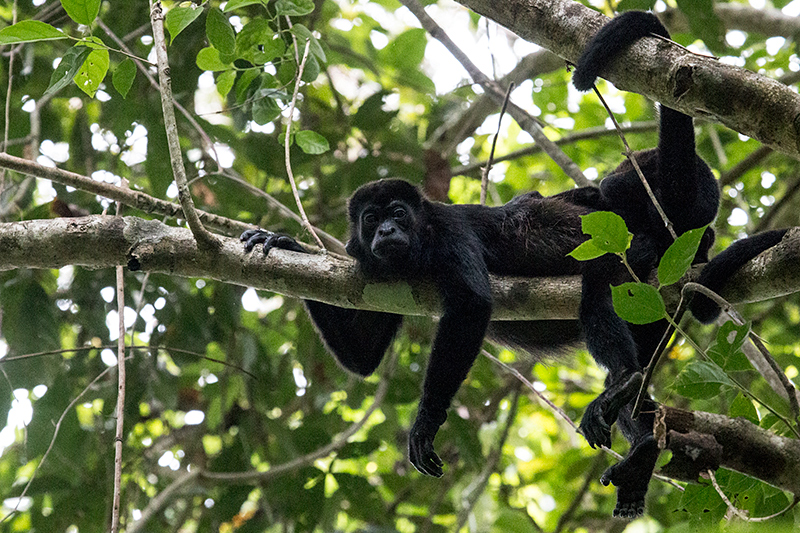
399 213
369 219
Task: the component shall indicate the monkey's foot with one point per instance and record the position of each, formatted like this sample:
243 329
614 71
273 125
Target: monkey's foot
269 240
604 410
631 477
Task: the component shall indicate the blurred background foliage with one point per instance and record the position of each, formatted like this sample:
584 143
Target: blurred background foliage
388 101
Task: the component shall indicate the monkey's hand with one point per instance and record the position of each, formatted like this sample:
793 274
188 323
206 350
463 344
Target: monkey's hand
604 410
420 448
269 240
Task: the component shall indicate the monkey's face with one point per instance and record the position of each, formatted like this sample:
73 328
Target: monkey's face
387 231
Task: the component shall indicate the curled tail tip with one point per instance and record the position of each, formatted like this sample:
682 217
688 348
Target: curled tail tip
616 35
582 80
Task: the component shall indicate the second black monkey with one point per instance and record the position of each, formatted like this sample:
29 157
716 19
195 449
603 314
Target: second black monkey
398 234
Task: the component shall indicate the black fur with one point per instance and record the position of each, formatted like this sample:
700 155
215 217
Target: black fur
716 273
398 234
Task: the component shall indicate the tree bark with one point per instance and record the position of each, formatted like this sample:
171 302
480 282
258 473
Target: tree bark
752 104
104 241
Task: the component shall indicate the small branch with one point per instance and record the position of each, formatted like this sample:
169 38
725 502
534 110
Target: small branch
589 133
53 440
203 236
161 500
788 387
470 495
336 443
287 145
490 162
746 448
146 73
524 119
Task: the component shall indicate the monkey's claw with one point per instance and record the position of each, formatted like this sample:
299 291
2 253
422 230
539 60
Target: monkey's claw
269 240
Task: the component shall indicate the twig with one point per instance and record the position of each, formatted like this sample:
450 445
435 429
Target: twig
53 441
337 442
656 357
524 119
743 514
120 411
120 435
204 237
7 116
142 201
589 133
490 162
146 73
163 497
561 413
470 495
789 388
591 475
287 156
629 155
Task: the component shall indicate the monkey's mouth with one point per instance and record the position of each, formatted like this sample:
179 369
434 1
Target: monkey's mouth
388 248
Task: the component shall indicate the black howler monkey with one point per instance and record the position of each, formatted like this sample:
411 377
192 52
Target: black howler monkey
396 233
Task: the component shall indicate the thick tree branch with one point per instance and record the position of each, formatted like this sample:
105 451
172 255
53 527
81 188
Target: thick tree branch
148 245
747 102
700 441
150 204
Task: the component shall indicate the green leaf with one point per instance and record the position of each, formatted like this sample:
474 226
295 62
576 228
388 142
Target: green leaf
29 31
726 351
225 82
265 110
220 32
586 251
294 8
311 142
68 68
608 231
257 43
742 406
123 76
407 50
178 18
701 379
235 4
679 256
304 34
243 84
208 59
94 68
312 69
82 11
638 303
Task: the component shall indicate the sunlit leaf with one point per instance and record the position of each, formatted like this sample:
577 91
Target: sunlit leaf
678 258
638 303
29 31
178 18
220 32
311 142
701 379
82 11
294 8
123 76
